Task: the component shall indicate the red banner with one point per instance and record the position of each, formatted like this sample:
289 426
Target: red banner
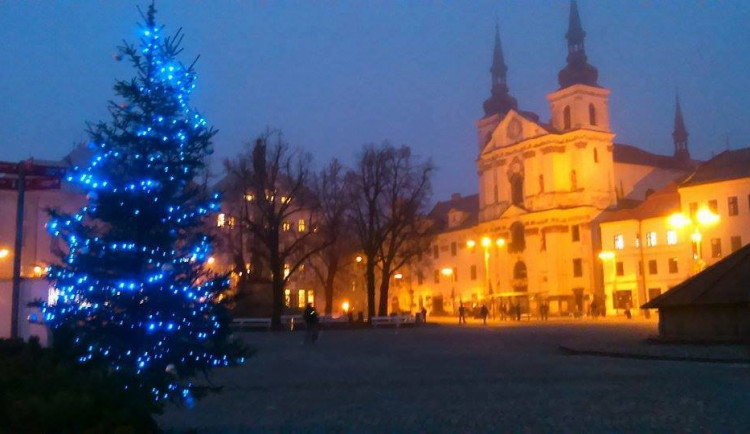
8 184
31 169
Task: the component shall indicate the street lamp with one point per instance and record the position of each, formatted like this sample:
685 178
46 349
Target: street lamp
449 272
609 256
4 253
704 218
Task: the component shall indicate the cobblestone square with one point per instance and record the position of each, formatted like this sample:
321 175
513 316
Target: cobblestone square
445 378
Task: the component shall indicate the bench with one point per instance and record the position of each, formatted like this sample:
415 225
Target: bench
393 320
252 323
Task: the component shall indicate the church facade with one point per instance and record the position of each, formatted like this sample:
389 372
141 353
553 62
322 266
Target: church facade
530 236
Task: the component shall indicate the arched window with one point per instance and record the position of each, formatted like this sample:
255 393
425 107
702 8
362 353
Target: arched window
496 194
516 189
566 118
541 183
596 155
517 238
592 114
573 180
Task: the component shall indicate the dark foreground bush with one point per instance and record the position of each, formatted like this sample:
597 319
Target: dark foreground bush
40 392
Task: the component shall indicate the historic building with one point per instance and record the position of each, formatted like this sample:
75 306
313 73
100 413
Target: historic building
543 187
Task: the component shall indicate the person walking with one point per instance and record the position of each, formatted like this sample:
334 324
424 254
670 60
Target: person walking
311 323
424 315
484 312
461 314
518 311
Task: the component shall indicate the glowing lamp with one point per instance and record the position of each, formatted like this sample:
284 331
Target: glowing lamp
486 241
471 243
678 220
358 259
345 306
447 271
606 255
696 237
4 253
38 271
500 242
211 260
398 276
706 217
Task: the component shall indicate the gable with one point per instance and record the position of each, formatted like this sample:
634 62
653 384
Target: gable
514 128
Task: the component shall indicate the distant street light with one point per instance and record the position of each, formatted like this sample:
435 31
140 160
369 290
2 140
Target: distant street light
4 253
703 218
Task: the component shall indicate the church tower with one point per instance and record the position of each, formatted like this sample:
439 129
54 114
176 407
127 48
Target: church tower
500 101
580 102
680 134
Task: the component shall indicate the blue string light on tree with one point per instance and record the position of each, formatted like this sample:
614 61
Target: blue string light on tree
133 293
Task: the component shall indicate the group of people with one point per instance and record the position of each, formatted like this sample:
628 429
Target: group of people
483 314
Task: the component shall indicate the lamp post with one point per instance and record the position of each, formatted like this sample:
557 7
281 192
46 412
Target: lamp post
449 272
609 302
704 218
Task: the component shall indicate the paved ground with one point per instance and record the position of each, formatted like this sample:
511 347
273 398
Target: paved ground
445 378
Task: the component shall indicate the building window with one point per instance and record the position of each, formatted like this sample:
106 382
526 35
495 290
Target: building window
733 206
311 297
577 267
652 268
640 268
575 233
288 297
651 239
596 155
495 194
435 251
573 181
620 268
541 183
516 189
455 274
637 240
420 278
716 247
301 225
301 298
454 249
672 265
619 242
566 117
286 226
473 271
437 276
543 241
693 210
671 238
221 220
736 242
517 238
713 205
653 293
592 115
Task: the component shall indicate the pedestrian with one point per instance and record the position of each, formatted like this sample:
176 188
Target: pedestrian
424 314
311 323
518 312
484 312
594 311
545 307
461 314
628 314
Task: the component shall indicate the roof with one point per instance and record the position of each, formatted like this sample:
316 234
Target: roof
467 204
630 154
658 204
723 167
723 283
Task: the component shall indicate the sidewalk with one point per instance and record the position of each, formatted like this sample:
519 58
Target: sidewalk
496 322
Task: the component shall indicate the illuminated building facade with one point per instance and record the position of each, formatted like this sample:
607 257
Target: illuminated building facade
543 187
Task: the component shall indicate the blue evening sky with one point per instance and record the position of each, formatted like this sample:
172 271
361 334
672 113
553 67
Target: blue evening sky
335 75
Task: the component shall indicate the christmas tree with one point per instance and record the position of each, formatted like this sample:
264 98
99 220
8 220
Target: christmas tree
134 294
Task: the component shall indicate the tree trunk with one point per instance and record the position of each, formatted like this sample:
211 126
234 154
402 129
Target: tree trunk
384 281
370 276
330 279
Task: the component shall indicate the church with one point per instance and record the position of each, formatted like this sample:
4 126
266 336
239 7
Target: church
530 236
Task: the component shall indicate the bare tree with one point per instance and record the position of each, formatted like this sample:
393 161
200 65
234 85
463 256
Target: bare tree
272 180
335 229
391 189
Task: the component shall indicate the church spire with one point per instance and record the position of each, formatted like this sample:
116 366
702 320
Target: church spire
577 71
680 134
499 70
500 100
